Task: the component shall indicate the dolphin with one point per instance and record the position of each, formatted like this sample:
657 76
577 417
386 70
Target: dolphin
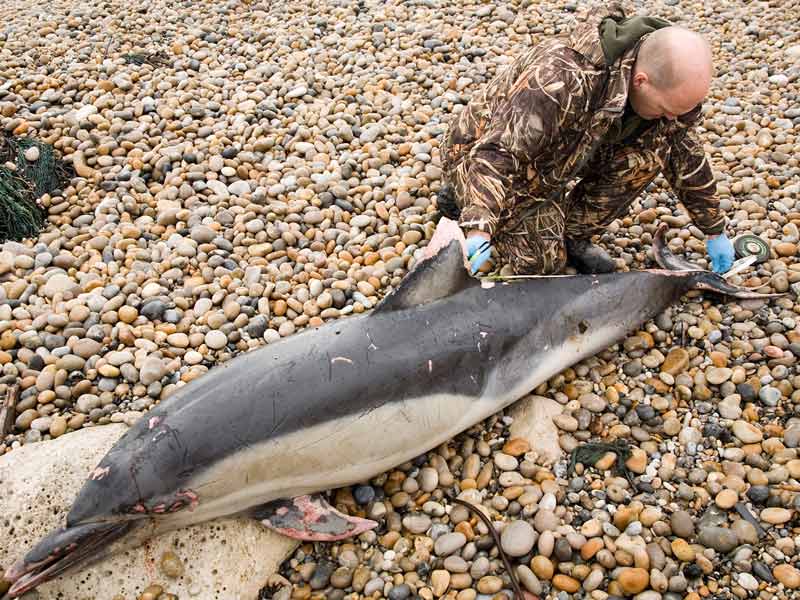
265 433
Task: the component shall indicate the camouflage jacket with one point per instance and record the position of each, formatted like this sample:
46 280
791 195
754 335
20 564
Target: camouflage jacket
542 117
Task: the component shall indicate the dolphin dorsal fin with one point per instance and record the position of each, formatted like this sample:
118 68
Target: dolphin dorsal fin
433 278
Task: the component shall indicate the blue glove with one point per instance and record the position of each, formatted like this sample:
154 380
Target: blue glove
720 250
479 249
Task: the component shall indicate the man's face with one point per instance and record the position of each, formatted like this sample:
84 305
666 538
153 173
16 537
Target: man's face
651 103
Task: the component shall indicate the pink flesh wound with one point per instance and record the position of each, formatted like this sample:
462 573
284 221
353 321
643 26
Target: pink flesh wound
446 231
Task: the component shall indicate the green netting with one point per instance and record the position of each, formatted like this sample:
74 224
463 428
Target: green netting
154 59
21 215
589 453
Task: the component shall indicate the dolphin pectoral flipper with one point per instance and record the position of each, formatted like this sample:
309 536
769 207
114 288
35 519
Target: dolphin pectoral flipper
310 518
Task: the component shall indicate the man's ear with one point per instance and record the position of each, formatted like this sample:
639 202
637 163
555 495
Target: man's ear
640 78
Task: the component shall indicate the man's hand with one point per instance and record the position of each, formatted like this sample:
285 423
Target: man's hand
479 249
720 250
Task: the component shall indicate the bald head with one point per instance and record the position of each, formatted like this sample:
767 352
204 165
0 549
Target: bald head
672 73
674 56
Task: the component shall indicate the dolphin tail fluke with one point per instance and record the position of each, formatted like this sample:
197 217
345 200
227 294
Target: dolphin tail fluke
310 519
699 279
705 280
61 551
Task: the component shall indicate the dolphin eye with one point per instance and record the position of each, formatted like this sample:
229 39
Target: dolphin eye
583 326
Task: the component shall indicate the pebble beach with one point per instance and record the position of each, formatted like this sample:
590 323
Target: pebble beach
245 170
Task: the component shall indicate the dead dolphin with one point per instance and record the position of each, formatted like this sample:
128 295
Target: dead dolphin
338 404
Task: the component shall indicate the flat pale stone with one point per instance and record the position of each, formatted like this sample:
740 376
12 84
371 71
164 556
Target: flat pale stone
718 375
749 434
533 421
787 575
60 284
776 515
40 482
726 499
219 188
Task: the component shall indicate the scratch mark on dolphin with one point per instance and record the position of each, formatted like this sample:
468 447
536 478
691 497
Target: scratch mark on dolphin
372 345
99 473
402 411
278 424
324 437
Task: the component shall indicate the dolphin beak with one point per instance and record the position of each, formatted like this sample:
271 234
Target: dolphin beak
60 551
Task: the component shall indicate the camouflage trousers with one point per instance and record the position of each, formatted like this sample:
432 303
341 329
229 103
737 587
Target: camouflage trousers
531 238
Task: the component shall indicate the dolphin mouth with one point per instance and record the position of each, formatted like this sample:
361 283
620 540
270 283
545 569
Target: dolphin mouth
60 551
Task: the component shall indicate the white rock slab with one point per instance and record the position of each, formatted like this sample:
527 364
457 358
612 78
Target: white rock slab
223 559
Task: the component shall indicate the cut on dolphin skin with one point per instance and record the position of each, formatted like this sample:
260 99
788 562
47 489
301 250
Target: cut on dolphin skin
339 404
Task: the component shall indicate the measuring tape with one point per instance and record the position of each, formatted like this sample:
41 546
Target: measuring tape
751 245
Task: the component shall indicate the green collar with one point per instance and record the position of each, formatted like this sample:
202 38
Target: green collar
618 36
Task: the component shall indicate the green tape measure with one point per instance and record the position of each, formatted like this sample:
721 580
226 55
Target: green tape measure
751 245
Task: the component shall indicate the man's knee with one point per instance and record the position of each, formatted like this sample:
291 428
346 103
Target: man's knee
534 258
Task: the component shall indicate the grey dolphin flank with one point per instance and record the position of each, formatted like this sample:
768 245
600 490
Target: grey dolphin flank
336 405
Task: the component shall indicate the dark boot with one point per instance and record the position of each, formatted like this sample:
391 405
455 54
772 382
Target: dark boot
446 203
589 258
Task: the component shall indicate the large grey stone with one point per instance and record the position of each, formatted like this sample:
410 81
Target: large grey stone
225 558
533 421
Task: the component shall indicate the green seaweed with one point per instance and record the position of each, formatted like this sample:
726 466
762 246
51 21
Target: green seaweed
21 214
